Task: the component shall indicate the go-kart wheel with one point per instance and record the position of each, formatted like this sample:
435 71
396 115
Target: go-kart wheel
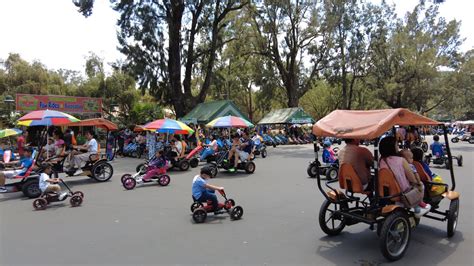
196 205
455 140
264 153
228 204
184 165
102 171
249 167
199 215
31 188
75 201
40 204
395 236
459 159
78 193
164 180
274 145
453 217
129 183
331 223
471 140
447 163
194 162
214 171
236 213
331 173
140 167
312 170
336 149
424 146
125 176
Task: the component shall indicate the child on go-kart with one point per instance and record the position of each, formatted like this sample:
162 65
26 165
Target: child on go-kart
47 184
437 147
329 156
203 191
155 165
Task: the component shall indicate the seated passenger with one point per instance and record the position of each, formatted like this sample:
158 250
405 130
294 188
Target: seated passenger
437 147
25 163
418 157
210 149
79 158
408 156
360 158
401 170
329 156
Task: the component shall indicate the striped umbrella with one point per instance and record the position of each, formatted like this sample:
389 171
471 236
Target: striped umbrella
169 126
46 118
9 132
229 121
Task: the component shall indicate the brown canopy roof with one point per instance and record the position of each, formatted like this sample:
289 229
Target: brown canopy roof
367 124
95 122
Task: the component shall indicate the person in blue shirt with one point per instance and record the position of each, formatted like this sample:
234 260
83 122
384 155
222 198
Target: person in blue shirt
437 147
203 191
25 163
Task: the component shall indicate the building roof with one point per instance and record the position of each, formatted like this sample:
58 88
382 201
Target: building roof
293 115
205 112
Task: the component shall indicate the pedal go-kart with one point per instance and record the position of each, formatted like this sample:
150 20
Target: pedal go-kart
46 198
200 210
261 150
97 168
443 159
28 183
193 156
380 208
130 181
222 162
329 170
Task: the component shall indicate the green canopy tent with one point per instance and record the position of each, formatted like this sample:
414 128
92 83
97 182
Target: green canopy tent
294 115
203 113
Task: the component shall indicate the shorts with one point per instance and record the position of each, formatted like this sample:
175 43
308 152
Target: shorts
12 173
243 155
52 187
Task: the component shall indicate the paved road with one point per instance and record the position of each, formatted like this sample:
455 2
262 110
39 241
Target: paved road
153 225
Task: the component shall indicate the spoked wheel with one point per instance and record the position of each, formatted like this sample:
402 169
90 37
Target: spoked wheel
125 176
102 171
195 206
236 213
228 204
75 201
40 204
164 180
184 165
199 215
459 159
264 153
214 171
140 167
453 217
312 170
194 162
331 173
129 183
395 236
249 167
331 223
79 193
424 146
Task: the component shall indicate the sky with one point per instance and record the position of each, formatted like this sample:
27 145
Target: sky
53 32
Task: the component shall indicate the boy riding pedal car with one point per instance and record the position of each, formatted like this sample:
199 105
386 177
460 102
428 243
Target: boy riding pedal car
203 191
47 184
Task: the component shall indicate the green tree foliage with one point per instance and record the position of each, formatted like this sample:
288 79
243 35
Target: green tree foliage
162 38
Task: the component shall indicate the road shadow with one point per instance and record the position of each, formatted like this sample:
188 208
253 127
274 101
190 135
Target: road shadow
428 246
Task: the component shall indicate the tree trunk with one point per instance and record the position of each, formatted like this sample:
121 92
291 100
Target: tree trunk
174 17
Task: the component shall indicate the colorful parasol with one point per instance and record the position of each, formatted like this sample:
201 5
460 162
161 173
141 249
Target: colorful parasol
229 121
169 126
46 118
9 132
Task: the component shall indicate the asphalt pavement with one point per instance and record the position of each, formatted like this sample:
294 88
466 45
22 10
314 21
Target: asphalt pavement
153 224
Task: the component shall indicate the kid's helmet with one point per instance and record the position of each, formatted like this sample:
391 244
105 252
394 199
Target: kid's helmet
327 144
